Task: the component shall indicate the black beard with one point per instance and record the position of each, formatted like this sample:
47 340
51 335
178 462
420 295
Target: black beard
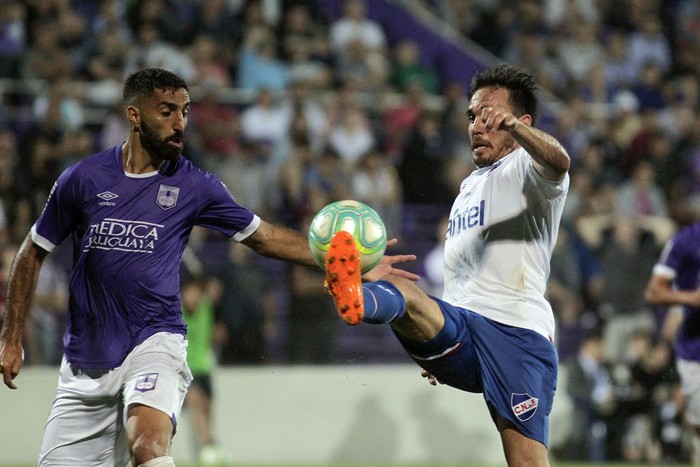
159 147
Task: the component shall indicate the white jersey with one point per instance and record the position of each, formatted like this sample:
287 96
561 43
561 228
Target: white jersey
502 230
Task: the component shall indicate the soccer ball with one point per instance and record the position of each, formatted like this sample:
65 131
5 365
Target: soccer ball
360 220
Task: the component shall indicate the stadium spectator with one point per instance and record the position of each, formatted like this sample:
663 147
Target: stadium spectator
649 43
589 384
209 68
642 394
421 169
688 150
531 49
44 58
650 87
304 68
217 19
217 124
48 314
619 71
626 253
360 48
293 177
640 196
302 32
409 69
104 65
376 182
13 187
152 50
580 50
247 307
453 120
266 123
352 137
259 66
13 37
311 313
299 99
400 120
355 28
327 180
624 121
172 20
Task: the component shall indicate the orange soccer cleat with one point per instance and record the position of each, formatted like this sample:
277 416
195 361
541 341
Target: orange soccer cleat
343 277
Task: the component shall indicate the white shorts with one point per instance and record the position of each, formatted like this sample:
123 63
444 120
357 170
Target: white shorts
87 419
689 372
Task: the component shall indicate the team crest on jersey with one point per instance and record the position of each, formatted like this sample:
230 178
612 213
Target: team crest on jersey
524 406
146 382
167 196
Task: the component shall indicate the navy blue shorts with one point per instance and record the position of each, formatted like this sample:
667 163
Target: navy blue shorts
515 368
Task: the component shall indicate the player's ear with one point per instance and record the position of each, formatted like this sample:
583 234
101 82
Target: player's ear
133 115
526 119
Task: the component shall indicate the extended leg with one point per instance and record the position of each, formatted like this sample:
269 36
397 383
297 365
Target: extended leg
411 312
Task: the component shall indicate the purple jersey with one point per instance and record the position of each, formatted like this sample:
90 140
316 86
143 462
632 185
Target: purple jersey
129 232
680 262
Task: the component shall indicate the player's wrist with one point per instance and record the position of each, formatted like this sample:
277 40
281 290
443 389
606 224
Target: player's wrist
513 128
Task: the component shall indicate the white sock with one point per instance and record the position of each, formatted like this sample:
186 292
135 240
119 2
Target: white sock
163 461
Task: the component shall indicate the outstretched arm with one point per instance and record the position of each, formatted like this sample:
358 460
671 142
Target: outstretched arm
21 285
549 157
274 241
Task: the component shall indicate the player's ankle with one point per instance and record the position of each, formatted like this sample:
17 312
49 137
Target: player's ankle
383 303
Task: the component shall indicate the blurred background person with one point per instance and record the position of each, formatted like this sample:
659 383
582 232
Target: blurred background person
204 334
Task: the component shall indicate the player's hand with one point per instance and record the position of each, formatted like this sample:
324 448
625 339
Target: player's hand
495 117
431 378
386 266
11 360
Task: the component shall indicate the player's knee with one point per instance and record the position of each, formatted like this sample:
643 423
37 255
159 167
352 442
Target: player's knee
163 461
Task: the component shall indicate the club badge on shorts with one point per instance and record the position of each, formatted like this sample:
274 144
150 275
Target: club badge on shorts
524 406
146 382
167 196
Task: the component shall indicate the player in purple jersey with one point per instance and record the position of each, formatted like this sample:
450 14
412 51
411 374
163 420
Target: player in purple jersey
675 282
492 332
129 211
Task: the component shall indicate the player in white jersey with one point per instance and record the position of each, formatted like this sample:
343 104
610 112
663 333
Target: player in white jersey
493 330
129 211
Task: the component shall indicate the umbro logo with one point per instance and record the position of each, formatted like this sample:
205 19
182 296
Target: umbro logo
107 196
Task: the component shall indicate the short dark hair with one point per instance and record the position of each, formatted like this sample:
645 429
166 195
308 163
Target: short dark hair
142 83
521 87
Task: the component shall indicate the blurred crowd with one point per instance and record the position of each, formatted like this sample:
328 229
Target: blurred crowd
297 103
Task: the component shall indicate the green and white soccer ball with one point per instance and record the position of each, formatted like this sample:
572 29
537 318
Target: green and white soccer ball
360 220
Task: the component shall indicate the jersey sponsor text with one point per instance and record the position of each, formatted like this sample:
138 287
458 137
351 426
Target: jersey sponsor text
123 235
471 217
